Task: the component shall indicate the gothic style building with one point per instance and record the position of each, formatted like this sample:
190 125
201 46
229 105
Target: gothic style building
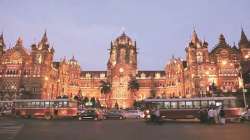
34 74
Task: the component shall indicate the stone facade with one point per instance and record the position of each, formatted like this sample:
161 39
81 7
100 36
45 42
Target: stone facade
33 74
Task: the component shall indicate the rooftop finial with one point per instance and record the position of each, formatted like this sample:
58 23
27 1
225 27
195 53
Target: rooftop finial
195 38
243 37
123 30
19 42
45 38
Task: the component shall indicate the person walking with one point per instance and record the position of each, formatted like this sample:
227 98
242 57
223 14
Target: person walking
216 115
158 115
211 115
222 116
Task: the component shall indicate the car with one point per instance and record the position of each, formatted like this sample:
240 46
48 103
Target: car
90 114
114 114
134 114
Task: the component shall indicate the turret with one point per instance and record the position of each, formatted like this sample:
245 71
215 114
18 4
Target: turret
2 45
19 42
243 43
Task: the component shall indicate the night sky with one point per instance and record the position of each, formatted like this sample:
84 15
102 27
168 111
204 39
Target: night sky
84 28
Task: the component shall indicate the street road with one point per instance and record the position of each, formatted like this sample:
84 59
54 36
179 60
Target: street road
34 129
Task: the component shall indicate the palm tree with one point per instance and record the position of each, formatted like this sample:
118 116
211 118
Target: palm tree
105 88
133 87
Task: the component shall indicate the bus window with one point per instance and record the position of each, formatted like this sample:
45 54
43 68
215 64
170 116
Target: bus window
51 103
189 104
60 104
173 105
196 104
167 105
37 104
65 104
42 104
204 104
46 104
161 104
211 103
218 103
182 104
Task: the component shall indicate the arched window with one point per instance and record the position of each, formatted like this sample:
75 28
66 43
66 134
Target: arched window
199 57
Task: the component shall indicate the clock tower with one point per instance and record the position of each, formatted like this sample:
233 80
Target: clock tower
122 66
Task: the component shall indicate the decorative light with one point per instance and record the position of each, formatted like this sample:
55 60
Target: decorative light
46 78
121 70
224 62
207 72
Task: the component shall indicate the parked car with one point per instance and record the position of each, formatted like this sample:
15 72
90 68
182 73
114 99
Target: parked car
246 115
91 114
134 114
114 114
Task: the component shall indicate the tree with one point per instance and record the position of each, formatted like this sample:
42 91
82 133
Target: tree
133 87
105 88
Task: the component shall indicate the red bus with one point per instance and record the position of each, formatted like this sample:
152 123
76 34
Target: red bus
189 108
48 109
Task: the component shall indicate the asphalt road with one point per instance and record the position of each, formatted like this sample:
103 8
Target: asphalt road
33 129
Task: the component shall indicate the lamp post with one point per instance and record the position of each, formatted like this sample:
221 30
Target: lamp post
243 86
243 89
46 87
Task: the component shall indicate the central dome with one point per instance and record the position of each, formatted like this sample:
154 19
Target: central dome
124 39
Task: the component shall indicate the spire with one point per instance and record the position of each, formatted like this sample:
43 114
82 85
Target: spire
195 38
44 38
2 40
243 38
222 40
19 42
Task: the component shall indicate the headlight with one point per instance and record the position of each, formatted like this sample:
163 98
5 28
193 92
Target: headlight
147 111
148 116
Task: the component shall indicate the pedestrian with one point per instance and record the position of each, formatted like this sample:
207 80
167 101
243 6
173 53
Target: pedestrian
216 115
158 115
211 115
222 116
203 116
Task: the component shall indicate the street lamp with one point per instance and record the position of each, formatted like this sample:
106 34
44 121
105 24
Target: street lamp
243 86
46 78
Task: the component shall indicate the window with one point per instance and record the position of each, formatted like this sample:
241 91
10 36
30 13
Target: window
218 103
204 104
196 104
65 104
42 104
199 57
189 104
174 105
47 104
211 103
182 104
167 105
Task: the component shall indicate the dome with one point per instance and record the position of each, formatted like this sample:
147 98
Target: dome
124 39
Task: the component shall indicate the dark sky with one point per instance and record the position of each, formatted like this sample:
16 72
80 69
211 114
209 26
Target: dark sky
84 28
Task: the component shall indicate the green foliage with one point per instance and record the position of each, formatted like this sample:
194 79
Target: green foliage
105 87
133 86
